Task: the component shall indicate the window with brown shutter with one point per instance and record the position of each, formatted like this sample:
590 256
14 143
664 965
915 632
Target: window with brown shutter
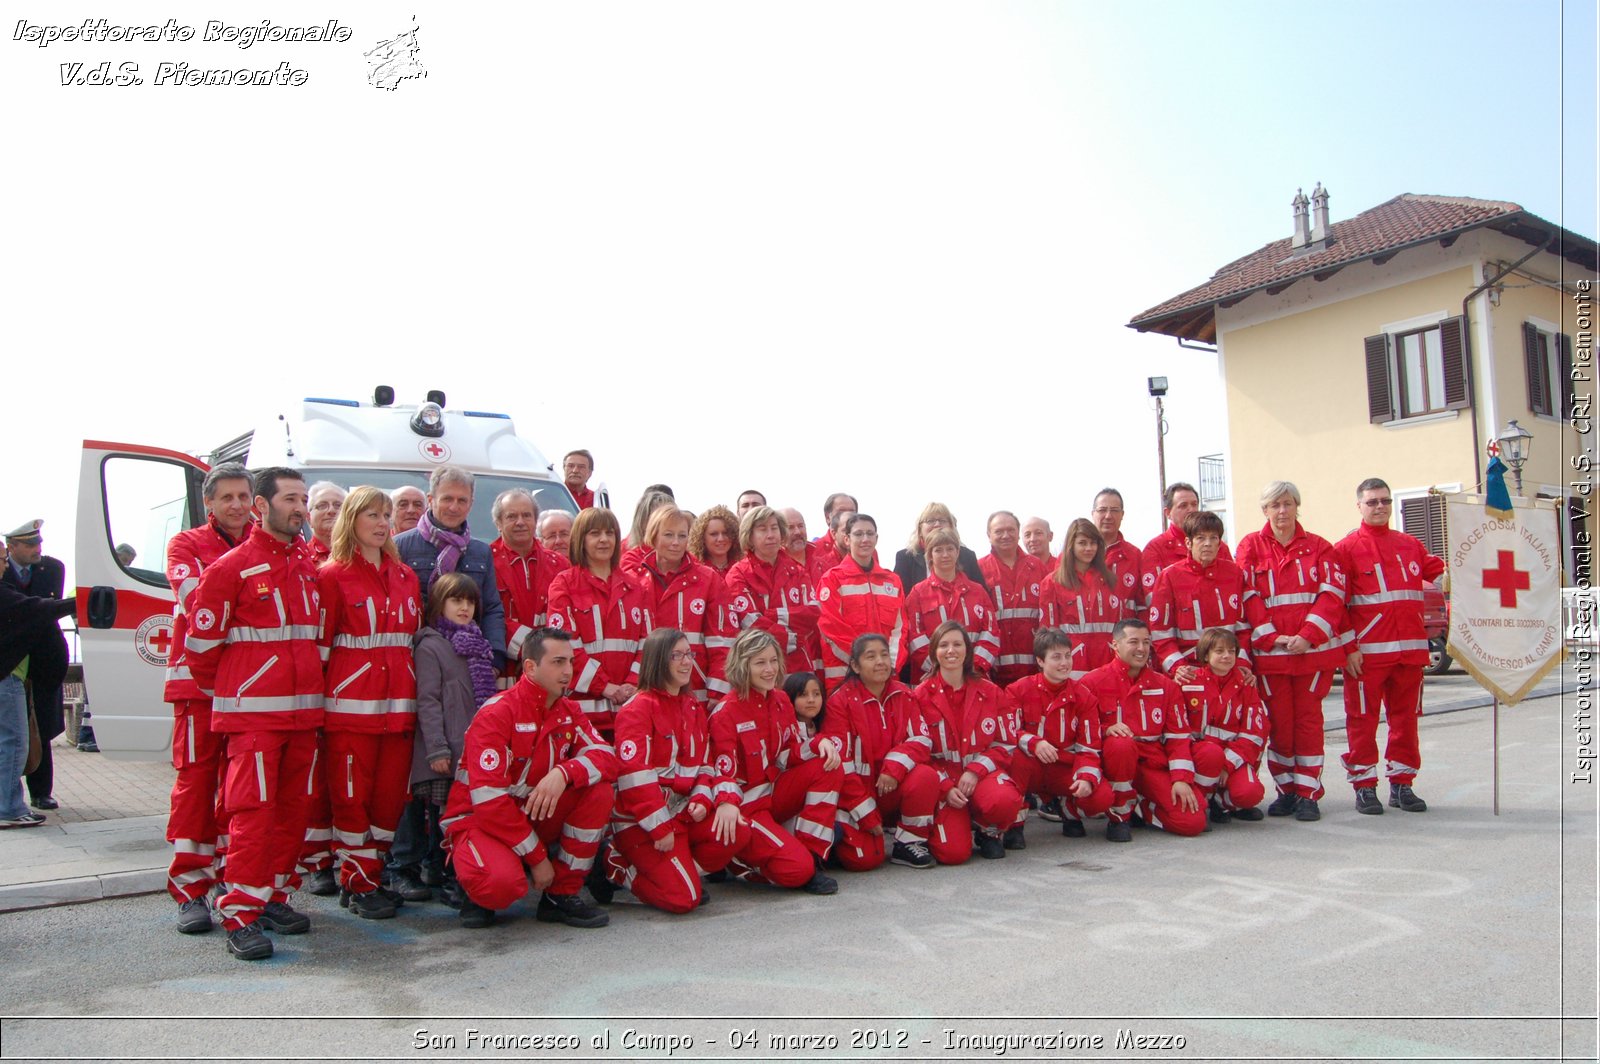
1418 372
1547 358
1423 517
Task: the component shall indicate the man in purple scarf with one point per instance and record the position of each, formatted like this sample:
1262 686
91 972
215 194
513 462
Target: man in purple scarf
442 543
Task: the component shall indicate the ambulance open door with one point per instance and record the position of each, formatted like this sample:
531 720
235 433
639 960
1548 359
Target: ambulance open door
131 500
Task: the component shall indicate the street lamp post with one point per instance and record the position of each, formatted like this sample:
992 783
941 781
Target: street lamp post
1515 442
1158 389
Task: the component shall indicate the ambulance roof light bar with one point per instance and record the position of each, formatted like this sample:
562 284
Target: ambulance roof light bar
429 419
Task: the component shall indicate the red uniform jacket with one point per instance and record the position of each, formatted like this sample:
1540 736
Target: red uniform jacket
854 602
252 641
880 735
512 744
370 615
1303 589
755 738
188 555
694 600
1385 570
664 750
524 585
317 551
584 497
825 557
932 602
1169 548
610 618
777 598
1086 613
1189 598
1227 709
972 730
1126 563
1065 716
1015 593
1152 706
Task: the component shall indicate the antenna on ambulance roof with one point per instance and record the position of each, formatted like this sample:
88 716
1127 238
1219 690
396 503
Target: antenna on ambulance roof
288 446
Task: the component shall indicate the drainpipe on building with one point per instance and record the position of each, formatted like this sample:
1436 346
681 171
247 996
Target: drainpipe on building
1472 384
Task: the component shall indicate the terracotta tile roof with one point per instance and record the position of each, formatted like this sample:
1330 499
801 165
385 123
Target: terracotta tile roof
1401 222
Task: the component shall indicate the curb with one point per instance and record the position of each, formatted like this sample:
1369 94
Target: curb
81 889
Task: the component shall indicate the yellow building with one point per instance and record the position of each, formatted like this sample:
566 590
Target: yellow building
1399 344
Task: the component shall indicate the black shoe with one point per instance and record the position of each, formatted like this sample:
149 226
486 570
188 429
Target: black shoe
1217 814
88 746
1367 801
194 917
990 848
1051 810
721 875
1013 840
1284 804
912 855
474 915
406 884
369 906
394 896
1252 814
601 889
451 895
571 910
1307 810
431 875
45 802
1118 831
1072 829
249 944
820 883
322 883
278 917
1401 796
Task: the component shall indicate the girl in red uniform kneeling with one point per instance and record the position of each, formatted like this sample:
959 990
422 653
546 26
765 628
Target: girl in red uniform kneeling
757 744
1229 729
972 727
676 817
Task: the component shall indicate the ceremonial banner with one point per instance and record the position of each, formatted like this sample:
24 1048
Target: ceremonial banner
1505 592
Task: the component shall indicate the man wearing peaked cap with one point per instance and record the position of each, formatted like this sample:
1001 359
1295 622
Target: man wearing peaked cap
30 571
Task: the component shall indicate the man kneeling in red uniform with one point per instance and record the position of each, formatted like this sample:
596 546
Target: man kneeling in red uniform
499 826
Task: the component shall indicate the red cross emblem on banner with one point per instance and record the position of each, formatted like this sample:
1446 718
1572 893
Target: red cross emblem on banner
1494 448
1506 578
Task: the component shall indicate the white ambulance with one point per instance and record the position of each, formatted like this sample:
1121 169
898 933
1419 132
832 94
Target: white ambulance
130 495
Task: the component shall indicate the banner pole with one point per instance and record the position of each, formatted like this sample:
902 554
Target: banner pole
1497 756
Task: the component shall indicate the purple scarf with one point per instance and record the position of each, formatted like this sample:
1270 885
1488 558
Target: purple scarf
450 544
471 647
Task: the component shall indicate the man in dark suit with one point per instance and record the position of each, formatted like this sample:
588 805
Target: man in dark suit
29 571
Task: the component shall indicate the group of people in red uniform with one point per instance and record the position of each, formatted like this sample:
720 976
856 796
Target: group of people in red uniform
767 713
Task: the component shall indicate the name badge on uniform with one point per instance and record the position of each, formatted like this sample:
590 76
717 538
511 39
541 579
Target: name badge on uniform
748 725
1153 693
526 727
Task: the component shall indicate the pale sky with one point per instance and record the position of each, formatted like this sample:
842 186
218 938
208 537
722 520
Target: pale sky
888 248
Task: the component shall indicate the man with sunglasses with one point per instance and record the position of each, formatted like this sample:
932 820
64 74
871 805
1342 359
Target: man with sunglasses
1388 649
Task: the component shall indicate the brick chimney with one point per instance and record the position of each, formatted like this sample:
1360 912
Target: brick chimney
1302 227
1319 215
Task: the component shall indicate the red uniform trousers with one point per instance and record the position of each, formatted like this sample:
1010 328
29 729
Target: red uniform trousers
805 800
1055 781
994 806
772 855
671 880
316 851
195 811
1135 781
911 806
1294 744
495 877
1233 780
1398 690
368 784
266 796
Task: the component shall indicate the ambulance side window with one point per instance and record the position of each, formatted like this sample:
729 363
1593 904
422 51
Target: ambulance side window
147 501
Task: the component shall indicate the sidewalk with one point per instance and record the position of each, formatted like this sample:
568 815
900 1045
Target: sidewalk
108 839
